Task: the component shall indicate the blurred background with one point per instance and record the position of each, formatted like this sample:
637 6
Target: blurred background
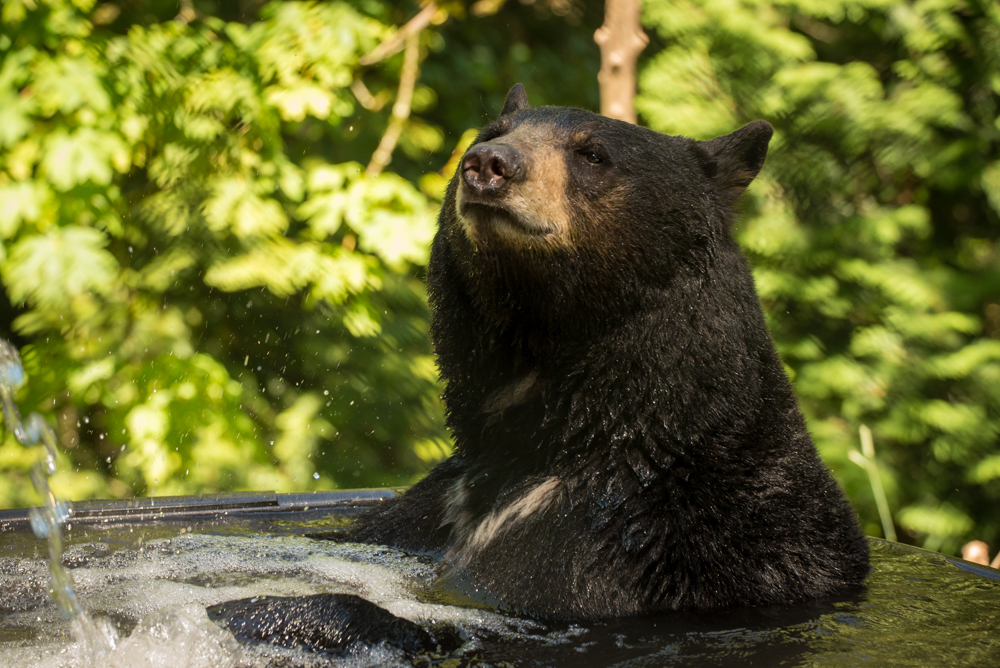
215 219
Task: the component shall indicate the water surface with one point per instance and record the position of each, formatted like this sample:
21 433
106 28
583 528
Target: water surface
152 578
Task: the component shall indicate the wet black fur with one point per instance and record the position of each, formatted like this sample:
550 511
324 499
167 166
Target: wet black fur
689 480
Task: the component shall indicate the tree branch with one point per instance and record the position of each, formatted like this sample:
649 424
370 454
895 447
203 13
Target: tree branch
621 40
392 45
401 109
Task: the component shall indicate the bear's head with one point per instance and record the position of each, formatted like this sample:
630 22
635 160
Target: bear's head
555 212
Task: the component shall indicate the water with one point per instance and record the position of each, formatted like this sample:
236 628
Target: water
132 573
154 578
147 569
46 521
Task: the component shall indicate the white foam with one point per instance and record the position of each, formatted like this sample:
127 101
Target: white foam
163 588
177 636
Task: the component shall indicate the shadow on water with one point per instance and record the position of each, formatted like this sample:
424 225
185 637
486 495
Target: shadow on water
131 560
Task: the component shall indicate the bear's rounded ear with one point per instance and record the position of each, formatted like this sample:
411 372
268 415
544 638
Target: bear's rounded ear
733 160
516 100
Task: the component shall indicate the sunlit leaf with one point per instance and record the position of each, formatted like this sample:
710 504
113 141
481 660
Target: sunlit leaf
45 270
65 84
20 202
942 520
81 156
233 205
15 119
298 102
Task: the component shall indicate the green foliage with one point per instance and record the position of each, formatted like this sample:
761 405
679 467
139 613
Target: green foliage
197 287
208 291
873 228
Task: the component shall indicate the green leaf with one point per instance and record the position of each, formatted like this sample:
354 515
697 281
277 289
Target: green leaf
21 202
954 418
900 281
280 265
990 181
84 155
301 427
65 85
15 119
393 219
878 342
942 520
172 164
82 380
986 470
966 360
45 270
360 321
167 270
343 273
224 90
296 102
233 205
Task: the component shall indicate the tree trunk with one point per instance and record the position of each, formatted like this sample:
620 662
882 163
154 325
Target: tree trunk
621 40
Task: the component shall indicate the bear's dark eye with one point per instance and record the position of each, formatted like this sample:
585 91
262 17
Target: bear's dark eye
593 155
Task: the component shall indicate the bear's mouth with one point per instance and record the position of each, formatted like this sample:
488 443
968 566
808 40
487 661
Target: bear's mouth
483 217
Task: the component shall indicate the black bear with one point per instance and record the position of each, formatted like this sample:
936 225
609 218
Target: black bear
626 440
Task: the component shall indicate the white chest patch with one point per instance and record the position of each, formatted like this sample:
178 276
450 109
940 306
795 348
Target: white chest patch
470 534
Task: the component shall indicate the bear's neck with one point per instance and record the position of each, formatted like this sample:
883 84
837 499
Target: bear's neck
523 389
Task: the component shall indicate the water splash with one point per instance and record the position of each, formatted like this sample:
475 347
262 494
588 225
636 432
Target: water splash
98 636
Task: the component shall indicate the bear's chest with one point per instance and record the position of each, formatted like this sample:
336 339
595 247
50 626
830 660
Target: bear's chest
474 530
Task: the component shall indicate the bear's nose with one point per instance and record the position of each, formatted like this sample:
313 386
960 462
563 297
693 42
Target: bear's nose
486 167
